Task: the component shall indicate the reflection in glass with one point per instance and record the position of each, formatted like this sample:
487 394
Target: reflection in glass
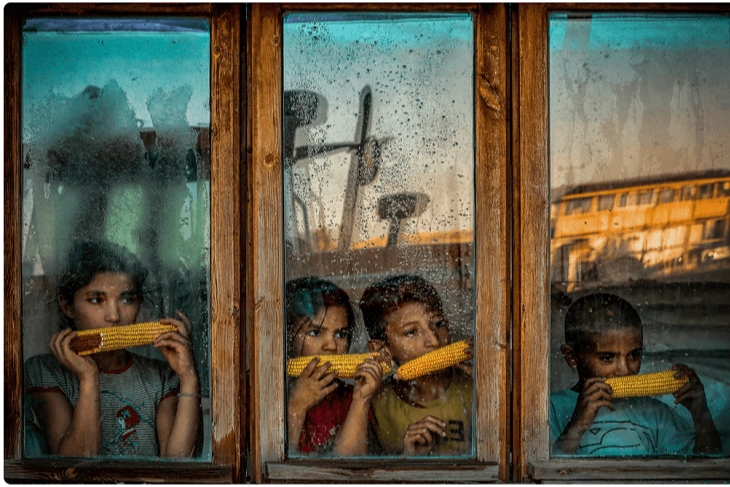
115 218
379 208
640 249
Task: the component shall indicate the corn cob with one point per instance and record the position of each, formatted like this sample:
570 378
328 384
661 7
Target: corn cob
97 340
344 364
654 384
440 359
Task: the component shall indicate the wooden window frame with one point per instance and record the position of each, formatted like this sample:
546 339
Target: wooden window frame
227 231
265 272
531 427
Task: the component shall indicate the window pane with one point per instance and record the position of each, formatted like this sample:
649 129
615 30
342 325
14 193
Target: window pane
638 108
116 218
379 222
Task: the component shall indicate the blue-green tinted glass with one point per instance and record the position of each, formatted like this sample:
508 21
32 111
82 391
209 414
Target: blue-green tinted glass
379 203
116 230
640 231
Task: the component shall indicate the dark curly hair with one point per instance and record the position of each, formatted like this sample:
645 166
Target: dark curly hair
386 296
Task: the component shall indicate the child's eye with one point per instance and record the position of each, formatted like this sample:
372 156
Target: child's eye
635 354
441 324
342 334
410 333
313 333
606 357
95 300
129 300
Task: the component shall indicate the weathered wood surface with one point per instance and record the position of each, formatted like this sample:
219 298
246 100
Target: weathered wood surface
104 471
530 378
266 240
13 347
372 471
492 239
654 470
226 271
113 9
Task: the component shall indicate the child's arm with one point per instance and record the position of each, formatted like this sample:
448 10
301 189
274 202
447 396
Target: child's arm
352 437
312 385
421 436
178 418
72 431
595 395
692 396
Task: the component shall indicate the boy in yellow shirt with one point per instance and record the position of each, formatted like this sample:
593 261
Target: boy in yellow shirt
432 414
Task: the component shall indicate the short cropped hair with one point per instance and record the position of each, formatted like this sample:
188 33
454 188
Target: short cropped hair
307 296
386 296
598 314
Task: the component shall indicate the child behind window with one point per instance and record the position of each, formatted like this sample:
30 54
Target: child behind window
116 402
603 338
325 414
432 414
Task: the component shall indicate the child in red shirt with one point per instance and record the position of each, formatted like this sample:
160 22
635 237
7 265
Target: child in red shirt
325 414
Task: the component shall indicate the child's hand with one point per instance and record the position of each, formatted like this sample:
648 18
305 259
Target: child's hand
595 395
468 369
368 377
312 386
82 367
422 435
692 394
177 348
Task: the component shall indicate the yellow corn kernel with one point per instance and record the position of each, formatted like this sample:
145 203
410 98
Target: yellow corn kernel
98 340
344 364
440 359
654 384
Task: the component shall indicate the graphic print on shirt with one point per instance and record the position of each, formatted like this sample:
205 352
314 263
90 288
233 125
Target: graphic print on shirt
126 437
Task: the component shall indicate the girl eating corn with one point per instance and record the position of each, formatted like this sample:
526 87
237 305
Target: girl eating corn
114 402
430 414
325 414
604 341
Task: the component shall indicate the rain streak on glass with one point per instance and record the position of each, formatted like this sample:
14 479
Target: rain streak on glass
379 228
116 223
640 227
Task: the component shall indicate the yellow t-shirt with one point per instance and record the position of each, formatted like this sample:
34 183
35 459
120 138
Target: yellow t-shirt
393 415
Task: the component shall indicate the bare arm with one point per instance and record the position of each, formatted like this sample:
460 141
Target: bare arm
352 437
595 395
178 418
72 431
692 396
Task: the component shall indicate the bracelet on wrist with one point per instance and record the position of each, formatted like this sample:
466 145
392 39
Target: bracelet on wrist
188 394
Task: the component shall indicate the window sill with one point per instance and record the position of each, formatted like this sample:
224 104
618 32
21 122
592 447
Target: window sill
99 471
636 469
381 470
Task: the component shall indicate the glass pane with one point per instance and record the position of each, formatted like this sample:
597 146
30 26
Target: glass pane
379 226
639 111
116 219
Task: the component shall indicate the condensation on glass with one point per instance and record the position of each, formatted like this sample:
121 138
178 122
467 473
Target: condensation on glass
640 209
116 152
378 183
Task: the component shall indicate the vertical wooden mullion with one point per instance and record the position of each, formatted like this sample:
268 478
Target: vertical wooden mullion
531 257
225 237
12 306
266 240
491 238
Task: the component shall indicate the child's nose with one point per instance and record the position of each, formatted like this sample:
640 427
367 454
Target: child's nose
111 312
330 345
431 339
622 367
